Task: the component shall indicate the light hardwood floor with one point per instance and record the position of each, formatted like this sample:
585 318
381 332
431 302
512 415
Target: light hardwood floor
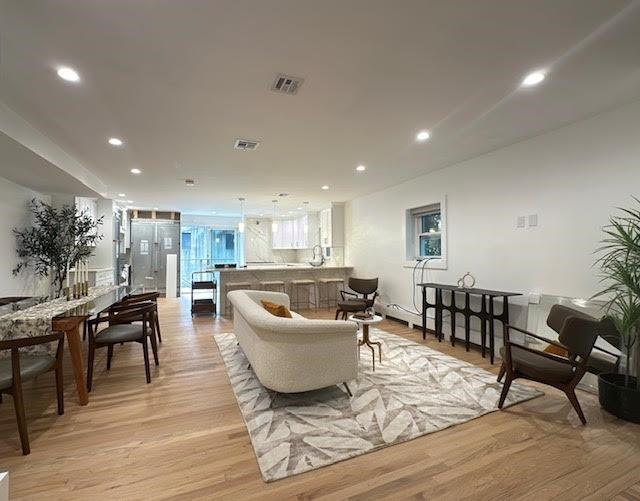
182 437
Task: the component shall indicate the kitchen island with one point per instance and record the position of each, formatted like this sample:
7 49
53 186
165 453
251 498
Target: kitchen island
254 274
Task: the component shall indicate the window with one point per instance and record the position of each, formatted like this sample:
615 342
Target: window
426 234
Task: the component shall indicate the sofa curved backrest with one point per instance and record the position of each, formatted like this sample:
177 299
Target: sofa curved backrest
296 354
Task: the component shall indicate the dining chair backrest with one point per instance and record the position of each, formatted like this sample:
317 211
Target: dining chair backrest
124 313
143 296
364 286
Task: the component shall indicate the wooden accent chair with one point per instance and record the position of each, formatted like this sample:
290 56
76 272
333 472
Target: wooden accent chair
577 335
127 323
144 297
359 299
22 367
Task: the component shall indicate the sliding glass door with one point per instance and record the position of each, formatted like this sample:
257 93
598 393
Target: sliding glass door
203 247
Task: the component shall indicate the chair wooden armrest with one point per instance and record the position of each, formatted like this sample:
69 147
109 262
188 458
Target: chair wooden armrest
544 354
125 313
347 293
537 336
23 342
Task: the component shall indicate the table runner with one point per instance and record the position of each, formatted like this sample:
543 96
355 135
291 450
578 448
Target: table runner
36 320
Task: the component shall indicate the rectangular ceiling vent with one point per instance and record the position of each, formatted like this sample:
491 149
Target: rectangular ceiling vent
285 84
246 144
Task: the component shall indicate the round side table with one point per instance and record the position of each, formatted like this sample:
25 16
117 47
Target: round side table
365 336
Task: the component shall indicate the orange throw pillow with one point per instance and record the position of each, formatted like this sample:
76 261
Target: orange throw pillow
279 310
556 350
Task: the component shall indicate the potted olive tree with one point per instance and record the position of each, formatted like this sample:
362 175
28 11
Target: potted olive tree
620 266
58 239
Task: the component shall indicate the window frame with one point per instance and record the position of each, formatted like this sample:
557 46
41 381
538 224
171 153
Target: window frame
418 233
413 232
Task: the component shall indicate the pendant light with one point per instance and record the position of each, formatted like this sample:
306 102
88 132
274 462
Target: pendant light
241 223
305 227
274 223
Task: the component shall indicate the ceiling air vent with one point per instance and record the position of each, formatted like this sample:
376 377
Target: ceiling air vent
285 84
246 144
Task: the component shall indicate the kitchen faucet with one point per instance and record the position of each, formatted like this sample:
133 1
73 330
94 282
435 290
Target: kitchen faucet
314 261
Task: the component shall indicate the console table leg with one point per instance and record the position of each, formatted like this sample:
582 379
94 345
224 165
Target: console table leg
453 319
424 313
467 321
492 339
483 326
439 314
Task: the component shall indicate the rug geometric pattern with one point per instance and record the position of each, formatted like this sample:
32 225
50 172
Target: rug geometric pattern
414 391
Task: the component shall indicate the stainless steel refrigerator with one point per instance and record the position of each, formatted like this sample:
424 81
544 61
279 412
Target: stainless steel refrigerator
151 241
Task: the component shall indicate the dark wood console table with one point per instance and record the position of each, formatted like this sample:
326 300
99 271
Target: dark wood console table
486 314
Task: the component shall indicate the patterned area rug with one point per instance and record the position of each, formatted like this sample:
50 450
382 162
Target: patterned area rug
415 391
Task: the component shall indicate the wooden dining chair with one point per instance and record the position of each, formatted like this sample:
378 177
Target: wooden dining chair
126 323
22 367
144 297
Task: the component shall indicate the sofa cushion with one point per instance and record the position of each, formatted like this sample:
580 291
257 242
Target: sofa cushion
279 310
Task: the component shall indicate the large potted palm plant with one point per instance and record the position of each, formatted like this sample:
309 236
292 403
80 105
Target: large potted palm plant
619 263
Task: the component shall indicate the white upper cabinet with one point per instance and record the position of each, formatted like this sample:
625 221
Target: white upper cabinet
292 234
325 228
332 226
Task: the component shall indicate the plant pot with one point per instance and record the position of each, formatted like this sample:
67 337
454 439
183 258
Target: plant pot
619 400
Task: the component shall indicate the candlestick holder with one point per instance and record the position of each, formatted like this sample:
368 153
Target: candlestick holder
86 288
67 293
75 291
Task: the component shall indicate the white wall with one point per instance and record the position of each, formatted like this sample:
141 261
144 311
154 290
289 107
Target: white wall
15 214
571 177
104 254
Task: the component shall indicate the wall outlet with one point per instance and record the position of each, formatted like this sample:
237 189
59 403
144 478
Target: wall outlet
533 219
520 222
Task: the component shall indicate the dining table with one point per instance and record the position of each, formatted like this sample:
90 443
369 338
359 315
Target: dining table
66 316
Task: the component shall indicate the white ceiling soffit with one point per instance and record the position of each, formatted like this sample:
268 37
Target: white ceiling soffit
22 166
15 127
180 81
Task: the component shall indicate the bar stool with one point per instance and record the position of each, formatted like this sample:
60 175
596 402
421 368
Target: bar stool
233 286
330 284
272 285
310 286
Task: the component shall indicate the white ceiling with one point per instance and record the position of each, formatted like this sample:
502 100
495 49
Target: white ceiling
180 80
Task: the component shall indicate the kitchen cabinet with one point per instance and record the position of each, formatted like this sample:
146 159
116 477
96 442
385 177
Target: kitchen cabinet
332 226
291 234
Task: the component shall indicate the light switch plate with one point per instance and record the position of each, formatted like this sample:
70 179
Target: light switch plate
520 223
533 219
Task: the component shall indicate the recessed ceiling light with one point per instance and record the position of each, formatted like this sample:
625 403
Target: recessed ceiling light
114 141
533 79
213 212
325 187
68 74
155 208
129 201
361 168
122 195
423 135
135 171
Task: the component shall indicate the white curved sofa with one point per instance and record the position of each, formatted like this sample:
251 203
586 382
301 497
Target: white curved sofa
291 355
